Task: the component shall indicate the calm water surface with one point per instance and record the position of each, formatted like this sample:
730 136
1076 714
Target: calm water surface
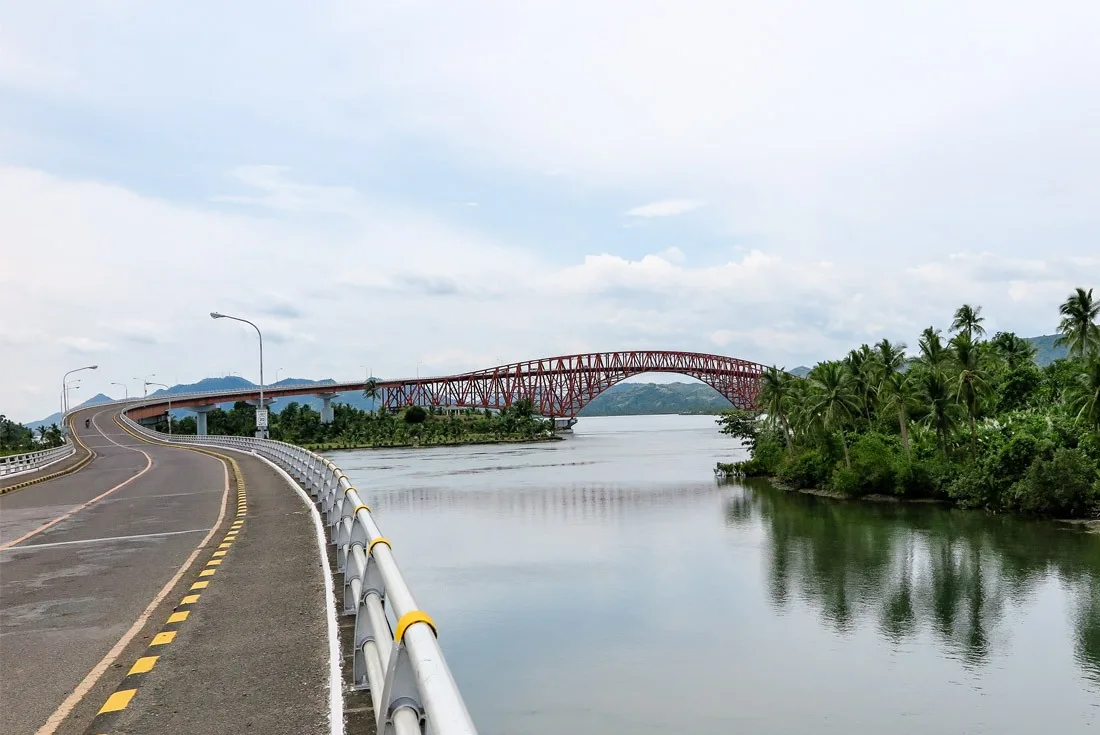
608 584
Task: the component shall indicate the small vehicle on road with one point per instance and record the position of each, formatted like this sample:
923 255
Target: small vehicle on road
87 423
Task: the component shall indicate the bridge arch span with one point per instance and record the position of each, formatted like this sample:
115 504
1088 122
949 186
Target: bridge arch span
562 386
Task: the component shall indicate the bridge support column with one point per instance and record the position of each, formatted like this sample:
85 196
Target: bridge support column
200 417
327 416
564 425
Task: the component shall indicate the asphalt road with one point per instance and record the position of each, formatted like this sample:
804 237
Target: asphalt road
85 557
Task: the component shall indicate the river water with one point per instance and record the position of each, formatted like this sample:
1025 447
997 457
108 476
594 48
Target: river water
608 584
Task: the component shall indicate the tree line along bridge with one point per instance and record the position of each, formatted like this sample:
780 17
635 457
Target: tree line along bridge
558 387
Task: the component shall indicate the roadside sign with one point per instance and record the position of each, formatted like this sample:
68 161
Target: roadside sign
261 418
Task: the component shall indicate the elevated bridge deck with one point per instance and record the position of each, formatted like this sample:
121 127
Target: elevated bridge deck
147 561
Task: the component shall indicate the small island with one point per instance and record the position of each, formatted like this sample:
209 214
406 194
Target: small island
968 421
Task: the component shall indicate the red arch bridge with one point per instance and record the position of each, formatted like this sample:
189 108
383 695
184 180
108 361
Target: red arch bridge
558 387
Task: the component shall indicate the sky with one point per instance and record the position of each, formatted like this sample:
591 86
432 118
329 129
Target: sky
399 186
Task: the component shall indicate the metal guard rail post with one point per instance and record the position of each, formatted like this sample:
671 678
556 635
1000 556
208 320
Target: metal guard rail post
13 464
410 683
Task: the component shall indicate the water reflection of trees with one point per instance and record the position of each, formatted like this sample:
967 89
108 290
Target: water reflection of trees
907 566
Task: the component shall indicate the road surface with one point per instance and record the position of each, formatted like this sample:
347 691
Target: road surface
97 565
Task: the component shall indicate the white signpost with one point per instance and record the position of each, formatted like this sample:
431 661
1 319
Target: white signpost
261 418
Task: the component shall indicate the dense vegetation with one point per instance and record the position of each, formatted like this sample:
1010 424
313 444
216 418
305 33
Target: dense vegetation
352 427
968 420
16 438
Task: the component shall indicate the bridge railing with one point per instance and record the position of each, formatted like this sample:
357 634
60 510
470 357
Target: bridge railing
402 665
14 464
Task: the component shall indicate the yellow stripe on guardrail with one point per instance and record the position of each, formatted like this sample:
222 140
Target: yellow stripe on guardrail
410 618
379 540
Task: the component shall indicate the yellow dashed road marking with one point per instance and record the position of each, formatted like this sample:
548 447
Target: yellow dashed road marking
200 585
220 553
118 701
144 664
161 638
178 617
206 572
189 599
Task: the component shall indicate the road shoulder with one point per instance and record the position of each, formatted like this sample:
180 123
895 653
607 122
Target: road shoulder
252 651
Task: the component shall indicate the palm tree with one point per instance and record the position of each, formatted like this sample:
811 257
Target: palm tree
372 391
894 388
859 363
968 321
775 391
1014 350
1078 326
1083 394
933 355
833 401
803 422
970 378
934 391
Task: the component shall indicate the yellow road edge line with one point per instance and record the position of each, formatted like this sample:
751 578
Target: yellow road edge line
117 701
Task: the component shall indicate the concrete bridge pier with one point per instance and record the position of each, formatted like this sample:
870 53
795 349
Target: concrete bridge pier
564 425
327 416
200 417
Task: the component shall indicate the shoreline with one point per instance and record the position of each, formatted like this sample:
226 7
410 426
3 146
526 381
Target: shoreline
1089 525
327 447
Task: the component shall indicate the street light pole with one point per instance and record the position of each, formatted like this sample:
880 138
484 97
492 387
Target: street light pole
124 388
261 433
162 385
71 385
145 385
64 395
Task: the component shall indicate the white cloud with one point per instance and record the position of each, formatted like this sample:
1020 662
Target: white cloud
664 208
85 345
398 288
855 184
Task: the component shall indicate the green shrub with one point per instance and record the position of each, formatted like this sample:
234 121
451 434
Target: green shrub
846 481
1018 388
768 454
971 488
875 460
415 415
1064 486
754 468
917 479
806 469
1011 460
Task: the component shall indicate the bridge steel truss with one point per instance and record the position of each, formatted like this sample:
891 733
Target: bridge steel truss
562 386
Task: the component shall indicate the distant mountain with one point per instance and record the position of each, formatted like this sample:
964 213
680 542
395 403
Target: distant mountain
234 382
55 418
632 399
624 399
1045 351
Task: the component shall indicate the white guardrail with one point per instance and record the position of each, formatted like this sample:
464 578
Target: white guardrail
402 666
17 464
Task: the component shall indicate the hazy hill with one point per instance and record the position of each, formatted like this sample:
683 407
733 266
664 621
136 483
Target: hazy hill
1046 352
55 418
632 399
